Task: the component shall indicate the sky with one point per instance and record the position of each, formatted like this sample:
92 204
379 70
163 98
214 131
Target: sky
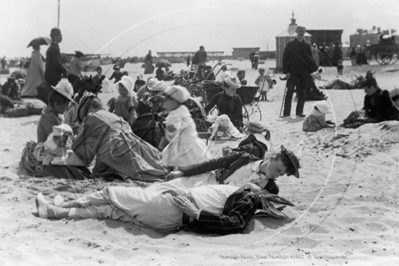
132 27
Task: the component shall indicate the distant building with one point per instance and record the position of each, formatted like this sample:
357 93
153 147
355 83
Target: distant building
185 54
284 38
367 37
243 52
326 36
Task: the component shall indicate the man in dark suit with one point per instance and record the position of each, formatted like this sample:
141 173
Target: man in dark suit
54 67
298 63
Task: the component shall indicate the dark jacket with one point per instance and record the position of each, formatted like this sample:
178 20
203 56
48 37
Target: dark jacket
199 57
297 58
54 68
379 106
226 165
238 210
148 129
227 105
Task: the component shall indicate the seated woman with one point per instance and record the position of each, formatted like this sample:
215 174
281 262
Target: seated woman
59 99
117 151
377 107
228 102
239 168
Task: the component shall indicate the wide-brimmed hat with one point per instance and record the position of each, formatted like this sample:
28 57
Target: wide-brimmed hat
294 161
233 81
12 77
65 89
179 93
117 67
323 107
159 86
60 130
255 126
128 83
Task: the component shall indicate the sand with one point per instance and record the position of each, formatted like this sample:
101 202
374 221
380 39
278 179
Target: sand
346 200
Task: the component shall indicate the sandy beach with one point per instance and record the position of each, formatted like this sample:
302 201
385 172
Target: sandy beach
346 201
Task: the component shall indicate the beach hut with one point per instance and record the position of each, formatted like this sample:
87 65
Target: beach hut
283 38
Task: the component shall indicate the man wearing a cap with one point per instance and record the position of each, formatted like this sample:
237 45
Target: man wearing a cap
199 58
298 63
54 67
239 168
145 89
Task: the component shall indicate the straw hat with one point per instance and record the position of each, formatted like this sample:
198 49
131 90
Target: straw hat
294 161
233 81
60 130
65 89
179 93
323 107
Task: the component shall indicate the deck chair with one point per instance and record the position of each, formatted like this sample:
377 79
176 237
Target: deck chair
249 102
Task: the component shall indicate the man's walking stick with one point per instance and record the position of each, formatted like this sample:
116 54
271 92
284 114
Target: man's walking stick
285 92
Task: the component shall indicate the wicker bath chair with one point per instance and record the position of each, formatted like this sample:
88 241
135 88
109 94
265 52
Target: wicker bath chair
249 102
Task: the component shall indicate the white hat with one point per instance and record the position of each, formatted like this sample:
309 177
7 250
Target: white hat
159 86
233 81
128 83
323 107
179 93
65 89
152 82
60 130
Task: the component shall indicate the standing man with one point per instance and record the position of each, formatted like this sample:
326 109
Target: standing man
199 58
298 63
54 68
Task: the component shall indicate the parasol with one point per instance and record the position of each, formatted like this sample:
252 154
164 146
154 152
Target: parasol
163 63
40 41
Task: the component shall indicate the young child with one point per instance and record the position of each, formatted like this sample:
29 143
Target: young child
117 75
125 104
317 118
264 83
184 147
340 67
57 144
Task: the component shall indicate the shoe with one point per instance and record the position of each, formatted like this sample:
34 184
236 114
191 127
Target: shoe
301 115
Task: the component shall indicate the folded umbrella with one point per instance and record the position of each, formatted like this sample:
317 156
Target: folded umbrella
40 41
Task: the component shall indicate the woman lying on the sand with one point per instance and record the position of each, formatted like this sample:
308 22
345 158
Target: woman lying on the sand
377 107
117 151
220 209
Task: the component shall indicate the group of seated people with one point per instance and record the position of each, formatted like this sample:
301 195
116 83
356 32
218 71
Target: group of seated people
189 191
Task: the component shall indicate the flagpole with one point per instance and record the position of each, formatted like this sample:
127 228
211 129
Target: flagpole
58 17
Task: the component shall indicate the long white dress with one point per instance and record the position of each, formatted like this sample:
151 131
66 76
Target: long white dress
185 147
35 75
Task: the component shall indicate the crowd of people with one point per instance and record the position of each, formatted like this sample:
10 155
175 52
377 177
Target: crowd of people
149 132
